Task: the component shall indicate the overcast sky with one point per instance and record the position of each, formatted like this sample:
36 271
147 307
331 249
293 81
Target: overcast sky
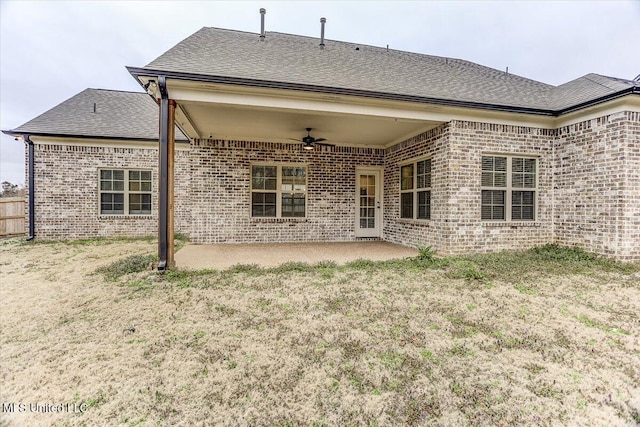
51 50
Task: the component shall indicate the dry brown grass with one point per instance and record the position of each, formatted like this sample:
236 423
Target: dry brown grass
455 343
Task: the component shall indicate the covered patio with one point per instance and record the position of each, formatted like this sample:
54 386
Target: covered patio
267 126
223 256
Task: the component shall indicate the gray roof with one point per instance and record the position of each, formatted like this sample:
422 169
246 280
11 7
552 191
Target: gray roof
120 115
297 59
587 88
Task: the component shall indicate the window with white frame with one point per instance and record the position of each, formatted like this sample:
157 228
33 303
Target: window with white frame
415 190
278 191
509 187
125 191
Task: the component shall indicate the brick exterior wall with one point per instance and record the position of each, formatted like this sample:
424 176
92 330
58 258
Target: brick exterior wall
456 149
67 198
436 145
597 174
220 191
588 189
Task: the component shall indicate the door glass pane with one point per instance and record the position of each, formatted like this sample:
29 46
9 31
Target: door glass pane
367 194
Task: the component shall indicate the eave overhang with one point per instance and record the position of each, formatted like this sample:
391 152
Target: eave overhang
20 134
222 107
139 73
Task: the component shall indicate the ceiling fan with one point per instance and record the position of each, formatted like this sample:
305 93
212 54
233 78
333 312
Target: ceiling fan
308 142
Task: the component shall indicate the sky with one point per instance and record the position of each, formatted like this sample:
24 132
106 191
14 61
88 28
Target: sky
51 50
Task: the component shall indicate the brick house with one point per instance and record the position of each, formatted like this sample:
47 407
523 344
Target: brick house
408 148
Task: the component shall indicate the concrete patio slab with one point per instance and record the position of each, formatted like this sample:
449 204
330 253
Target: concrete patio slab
223 256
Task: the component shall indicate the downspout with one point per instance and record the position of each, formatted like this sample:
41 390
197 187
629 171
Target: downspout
163 200
32 189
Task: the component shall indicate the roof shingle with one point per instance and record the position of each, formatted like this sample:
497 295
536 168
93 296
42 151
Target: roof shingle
293 59
117 114
299 60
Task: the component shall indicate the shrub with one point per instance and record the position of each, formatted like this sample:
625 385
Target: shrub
426 253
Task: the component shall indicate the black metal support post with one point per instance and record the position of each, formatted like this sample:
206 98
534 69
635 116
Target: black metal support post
163 168
32 189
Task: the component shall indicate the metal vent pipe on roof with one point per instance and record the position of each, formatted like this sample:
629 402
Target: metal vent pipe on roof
263 12
322 22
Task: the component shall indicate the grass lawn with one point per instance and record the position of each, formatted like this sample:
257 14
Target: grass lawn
549 336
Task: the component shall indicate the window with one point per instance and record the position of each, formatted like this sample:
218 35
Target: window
278 191
509 187
125 191
415 190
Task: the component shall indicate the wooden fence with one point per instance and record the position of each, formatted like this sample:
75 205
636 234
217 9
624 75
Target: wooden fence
12 216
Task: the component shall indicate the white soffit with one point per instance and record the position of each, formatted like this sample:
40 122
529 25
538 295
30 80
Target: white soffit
245 123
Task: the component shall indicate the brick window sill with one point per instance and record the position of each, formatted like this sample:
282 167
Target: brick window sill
512 224
122 216
278 220
421 222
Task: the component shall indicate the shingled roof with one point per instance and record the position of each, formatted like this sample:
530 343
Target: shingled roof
586 88
99 113
299 60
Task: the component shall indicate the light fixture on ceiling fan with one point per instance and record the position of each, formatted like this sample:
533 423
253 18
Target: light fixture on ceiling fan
309 142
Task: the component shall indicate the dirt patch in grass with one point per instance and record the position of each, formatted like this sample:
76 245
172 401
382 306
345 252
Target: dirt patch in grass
553 339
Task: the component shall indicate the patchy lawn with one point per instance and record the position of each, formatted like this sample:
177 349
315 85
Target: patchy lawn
544 337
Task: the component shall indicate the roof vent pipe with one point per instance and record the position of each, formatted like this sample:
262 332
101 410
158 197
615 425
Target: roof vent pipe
322 22
263 11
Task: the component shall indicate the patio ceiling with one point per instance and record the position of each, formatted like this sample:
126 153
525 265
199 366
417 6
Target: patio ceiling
224 121
223 112
242 111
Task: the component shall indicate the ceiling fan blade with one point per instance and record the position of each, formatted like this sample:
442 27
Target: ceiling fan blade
294 139
325 144
319 139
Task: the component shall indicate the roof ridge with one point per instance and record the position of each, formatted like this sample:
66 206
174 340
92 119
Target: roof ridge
382 48
601 84
444 59
229 29
113 90
619 79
